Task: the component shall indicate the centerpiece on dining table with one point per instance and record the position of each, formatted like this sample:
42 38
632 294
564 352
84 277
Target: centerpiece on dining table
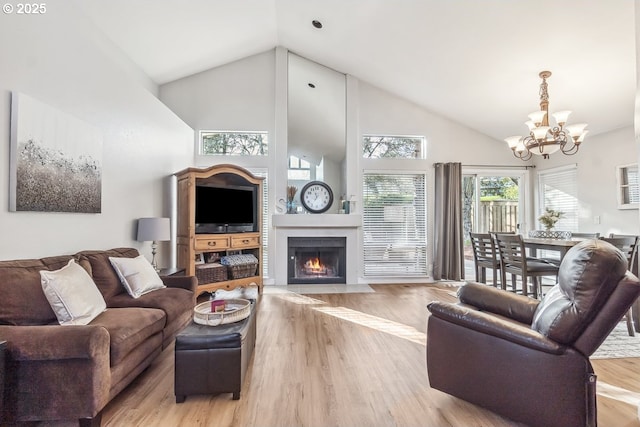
549 219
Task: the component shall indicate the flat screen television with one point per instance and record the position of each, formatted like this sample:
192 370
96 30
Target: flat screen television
226 210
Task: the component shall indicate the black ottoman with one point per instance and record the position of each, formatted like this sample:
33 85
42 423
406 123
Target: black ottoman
214 359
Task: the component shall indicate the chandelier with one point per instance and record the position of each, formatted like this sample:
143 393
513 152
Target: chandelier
543 139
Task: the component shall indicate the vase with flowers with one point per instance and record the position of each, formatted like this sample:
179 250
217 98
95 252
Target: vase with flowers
549 218
291 204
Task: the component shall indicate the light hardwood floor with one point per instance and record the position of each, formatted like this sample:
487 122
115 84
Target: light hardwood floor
342 360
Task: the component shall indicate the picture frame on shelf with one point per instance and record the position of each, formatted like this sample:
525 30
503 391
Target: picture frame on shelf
211 257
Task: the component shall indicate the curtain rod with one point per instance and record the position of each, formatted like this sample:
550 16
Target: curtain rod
500 166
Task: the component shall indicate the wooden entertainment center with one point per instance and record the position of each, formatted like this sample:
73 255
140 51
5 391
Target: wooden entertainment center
199 253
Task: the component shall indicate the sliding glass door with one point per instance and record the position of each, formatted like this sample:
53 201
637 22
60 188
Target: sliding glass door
492 201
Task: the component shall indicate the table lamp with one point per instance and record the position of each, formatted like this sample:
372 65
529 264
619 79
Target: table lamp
154 230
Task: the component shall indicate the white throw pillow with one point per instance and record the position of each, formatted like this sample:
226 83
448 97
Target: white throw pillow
137 275
73 295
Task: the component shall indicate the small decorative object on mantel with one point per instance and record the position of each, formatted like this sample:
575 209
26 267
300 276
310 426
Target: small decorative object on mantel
291 194
549 218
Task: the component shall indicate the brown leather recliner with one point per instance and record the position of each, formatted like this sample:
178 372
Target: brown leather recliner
525 359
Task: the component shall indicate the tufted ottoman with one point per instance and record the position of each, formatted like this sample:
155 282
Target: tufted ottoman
214 359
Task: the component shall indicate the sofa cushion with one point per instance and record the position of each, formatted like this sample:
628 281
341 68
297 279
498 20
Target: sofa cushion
23 301
589 273
73 296
98 265
136 274
128 328
177 303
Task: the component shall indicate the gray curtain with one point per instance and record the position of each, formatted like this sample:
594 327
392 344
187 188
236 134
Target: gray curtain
448 252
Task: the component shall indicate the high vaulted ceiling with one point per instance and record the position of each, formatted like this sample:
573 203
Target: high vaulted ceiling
473 61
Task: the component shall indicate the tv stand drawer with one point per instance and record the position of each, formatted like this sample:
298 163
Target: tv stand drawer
245 241
212 243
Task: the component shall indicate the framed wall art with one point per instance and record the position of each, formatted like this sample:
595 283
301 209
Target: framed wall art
56 160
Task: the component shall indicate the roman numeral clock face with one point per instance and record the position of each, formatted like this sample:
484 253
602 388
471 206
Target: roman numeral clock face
316 197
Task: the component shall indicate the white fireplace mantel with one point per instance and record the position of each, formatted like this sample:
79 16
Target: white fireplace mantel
311 225
317 221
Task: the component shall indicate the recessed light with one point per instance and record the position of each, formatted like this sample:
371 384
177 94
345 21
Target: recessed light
311 85
316 23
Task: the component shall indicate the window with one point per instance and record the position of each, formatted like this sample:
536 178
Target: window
233 143
628 191
299 169
394 225
399 147
558 190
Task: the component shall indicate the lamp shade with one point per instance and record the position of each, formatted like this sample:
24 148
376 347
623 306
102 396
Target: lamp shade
154 229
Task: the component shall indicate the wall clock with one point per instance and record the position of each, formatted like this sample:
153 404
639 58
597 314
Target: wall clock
316 196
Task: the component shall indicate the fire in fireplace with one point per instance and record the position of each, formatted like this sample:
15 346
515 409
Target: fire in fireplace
317 260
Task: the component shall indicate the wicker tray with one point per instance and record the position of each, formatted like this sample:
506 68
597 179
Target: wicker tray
235 311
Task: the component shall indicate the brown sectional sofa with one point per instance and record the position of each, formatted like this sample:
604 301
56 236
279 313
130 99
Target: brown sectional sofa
56 372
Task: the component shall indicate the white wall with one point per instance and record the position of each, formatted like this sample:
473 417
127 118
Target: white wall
235 97
597 159
61 60
447 141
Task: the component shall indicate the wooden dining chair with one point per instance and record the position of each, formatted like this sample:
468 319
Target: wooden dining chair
626 248
514 261
585 235
485 257
628 244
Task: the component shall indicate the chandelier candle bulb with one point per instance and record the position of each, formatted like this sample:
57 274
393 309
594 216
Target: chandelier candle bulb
561 117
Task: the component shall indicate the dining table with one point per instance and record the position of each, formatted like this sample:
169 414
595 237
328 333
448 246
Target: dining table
559 245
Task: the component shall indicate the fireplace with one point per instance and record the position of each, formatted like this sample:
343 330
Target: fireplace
316 260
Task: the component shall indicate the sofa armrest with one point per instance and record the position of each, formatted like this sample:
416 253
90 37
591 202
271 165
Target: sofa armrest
56 372
508 304
55 342
490 324
189 283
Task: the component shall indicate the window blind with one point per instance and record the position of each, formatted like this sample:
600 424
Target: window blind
394 225
559 191
264 230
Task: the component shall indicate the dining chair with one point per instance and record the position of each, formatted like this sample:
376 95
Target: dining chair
585 235
628 244
626 248
485 256
514 261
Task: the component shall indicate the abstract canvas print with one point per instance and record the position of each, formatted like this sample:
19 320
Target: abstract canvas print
56 160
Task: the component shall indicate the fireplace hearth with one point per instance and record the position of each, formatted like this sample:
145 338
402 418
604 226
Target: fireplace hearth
316 260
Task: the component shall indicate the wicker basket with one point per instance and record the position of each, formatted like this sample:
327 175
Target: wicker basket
209 273
235 311
240 271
